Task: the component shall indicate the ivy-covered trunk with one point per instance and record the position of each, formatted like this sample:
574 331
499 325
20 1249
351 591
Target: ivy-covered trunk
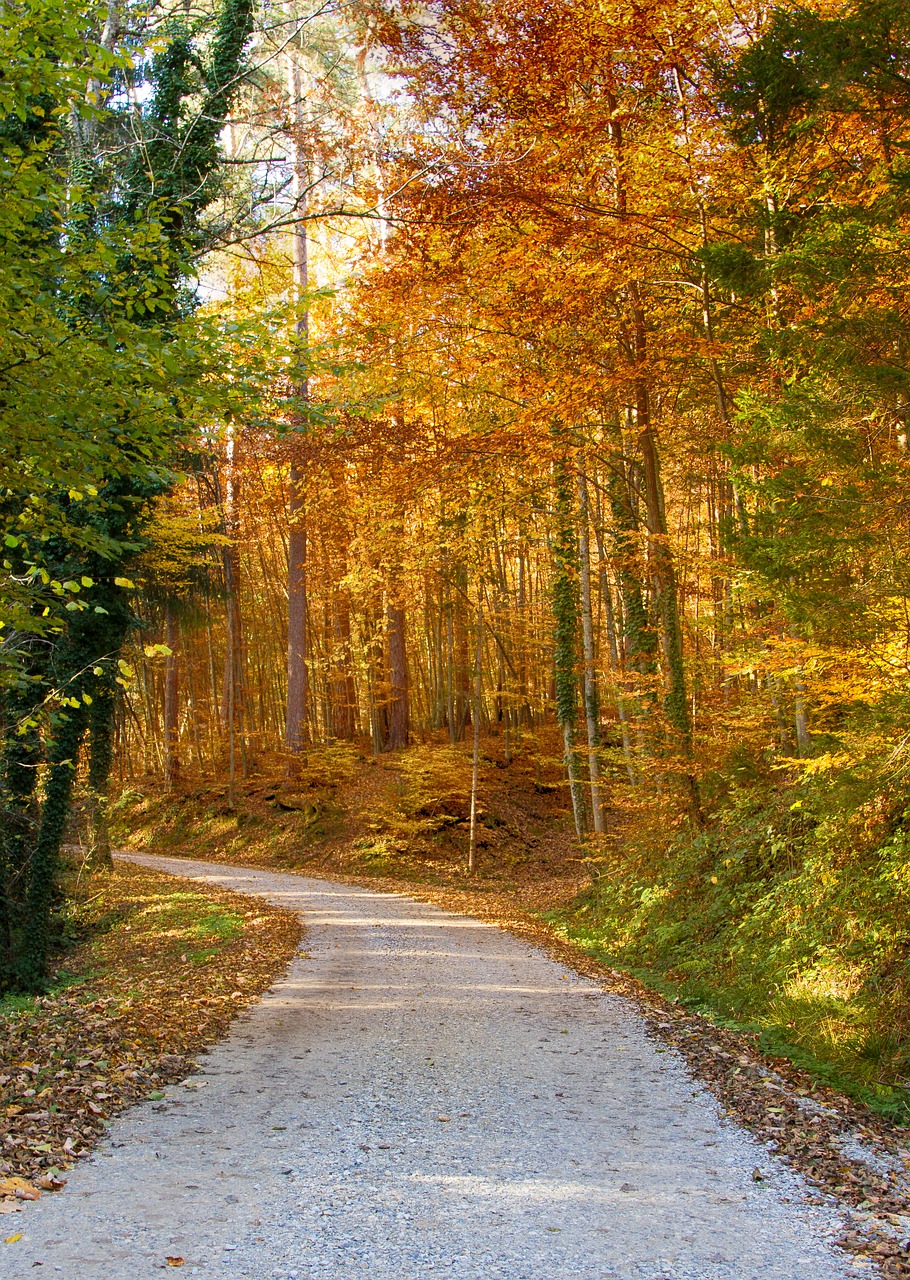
592 699
565 605
22 758
32 961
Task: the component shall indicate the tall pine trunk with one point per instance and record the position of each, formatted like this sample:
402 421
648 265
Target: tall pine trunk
296 711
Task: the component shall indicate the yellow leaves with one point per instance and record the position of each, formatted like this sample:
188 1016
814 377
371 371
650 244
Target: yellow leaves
157 651
126 583
16 1188
829 762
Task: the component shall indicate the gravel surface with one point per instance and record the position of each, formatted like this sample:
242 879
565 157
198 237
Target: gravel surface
424 1095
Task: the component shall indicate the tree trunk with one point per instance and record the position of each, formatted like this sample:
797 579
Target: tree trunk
295 728
22 757
399 726
296 713
592 708
578 807
565 616
32 963
475 753
801 721
171 700
617 658
101 718
663 570
344 697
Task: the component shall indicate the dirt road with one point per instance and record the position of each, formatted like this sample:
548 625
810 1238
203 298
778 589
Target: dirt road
424 1095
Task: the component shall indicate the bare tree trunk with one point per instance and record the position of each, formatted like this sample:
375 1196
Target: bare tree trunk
295 720
616 656
232 717
171 700
295 728
787 745
232 656
344 698
450 667
578 807
399 726
801 720
475 753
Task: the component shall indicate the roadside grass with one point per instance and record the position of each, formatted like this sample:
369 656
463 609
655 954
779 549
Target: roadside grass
153 971
786 917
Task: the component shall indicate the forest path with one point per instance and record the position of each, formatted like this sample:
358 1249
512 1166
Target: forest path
425 1095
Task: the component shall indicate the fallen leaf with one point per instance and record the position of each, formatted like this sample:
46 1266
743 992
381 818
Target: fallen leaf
48 1182
19 1188
13 1239
446 1119
174 1262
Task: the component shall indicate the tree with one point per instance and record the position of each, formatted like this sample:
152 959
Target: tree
104 325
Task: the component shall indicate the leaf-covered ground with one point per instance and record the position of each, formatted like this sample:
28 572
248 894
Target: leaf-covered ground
164 970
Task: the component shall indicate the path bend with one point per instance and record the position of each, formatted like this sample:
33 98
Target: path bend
425 1095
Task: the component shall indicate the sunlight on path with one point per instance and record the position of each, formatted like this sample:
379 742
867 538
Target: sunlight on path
424 1095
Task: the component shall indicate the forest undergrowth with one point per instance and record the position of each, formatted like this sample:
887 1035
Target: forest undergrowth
760 921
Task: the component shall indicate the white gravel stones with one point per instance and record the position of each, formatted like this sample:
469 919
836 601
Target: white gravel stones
426 1096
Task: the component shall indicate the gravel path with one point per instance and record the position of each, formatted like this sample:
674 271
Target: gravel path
424 1095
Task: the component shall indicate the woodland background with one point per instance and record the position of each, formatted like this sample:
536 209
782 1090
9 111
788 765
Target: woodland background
499 391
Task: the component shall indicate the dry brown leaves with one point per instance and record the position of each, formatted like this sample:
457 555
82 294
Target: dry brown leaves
146 1002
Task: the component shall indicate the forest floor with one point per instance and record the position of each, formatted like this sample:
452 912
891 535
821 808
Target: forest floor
159 972
400 825
423 1094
